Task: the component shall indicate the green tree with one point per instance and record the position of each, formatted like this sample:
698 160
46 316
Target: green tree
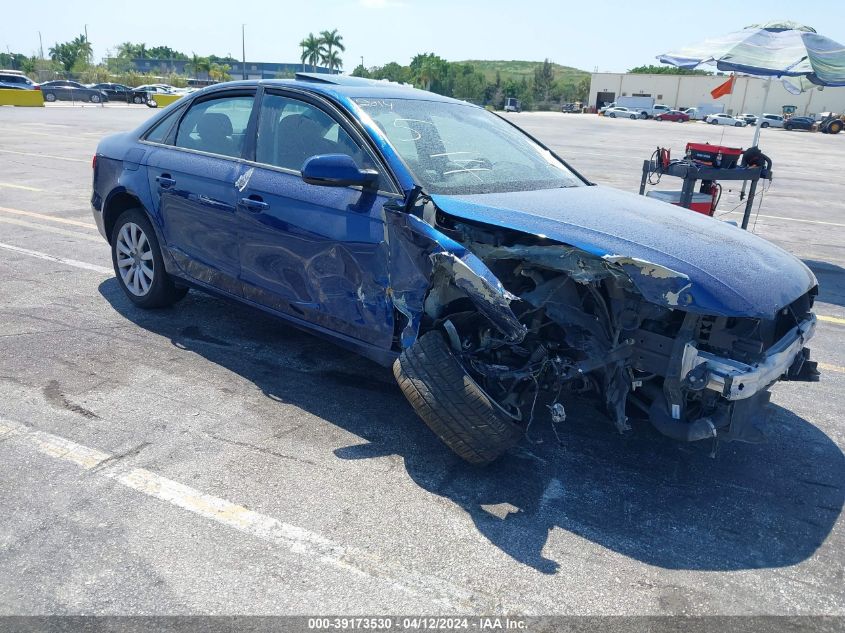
653 69
544 78
311 51
361 71
332 61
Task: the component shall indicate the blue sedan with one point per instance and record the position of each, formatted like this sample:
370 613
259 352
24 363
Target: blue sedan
437 238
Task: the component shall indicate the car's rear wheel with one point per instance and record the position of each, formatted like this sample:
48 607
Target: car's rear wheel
451 403
137 100
764 124
49 96
633 117
738 124
789 128
94 98
138 263
612 115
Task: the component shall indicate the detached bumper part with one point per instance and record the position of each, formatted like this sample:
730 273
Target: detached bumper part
743 388
738 381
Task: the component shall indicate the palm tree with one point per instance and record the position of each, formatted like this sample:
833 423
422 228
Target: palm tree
329 41
333 61
311 50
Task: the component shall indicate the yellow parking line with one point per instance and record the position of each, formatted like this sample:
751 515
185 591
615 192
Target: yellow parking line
53 229
9 185
51 218
67 158
836 368
830 319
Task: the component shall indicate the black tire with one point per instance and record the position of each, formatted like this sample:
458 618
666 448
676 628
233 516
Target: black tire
95 98
137 100
835 127
633 117
738 124
764 124
788 128
162 291
612 115
451 403
50 97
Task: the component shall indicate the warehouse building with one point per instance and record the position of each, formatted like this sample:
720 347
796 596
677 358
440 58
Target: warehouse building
687 91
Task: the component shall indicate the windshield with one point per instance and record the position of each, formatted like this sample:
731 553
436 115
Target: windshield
454 149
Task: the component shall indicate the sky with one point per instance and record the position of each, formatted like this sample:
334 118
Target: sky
608 36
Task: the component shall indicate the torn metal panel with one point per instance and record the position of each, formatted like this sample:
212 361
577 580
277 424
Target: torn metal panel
419 254
579 265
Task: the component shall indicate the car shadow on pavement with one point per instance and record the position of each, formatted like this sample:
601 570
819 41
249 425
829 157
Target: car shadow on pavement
831 281
641 495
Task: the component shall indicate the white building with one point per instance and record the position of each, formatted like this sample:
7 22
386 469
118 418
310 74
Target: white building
687 91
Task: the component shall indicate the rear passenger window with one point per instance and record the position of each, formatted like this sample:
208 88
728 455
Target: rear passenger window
216 126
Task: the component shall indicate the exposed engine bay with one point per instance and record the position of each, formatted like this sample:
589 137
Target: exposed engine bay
611 327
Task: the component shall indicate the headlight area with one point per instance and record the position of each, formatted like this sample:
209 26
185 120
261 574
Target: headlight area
588 329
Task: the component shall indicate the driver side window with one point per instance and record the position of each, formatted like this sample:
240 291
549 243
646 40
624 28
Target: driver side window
290 132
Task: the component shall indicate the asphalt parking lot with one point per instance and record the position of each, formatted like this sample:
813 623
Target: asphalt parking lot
210 459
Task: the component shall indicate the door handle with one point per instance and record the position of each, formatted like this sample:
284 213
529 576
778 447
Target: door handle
165 181
255 205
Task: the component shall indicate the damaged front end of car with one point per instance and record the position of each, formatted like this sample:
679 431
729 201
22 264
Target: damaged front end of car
534 321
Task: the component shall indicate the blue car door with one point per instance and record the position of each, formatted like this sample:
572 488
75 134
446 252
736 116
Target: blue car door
314 252
192 184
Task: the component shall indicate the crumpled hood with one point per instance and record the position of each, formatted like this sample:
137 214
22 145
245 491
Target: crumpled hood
730 272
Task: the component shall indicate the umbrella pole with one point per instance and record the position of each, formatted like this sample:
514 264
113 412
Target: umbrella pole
757 128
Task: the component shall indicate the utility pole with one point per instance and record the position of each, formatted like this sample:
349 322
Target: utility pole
243 48
40 46
362 61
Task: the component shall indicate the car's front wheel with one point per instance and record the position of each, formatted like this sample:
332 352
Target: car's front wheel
764 124
138 263
612 115
451 403
633 117
49 96
95 98
137 100
738 124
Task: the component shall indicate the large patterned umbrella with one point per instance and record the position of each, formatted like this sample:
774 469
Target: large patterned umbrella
773 49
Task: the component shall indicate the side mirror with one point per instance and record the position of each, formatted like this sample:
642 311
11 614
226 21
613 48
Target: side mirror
337 170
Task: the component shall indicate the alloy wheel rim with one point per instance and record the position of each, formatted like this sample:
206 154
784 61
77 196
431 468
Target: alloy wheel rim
135 261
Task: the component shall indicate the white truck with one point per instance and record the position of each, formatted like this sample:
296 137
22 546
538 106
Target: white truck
643 105
700 112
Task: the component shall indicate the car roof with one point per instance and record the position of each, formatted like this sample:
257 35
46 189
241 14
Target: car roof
339 86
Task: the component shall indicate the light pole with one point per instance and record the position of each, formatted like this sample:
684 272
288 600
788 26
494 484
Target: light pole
243 49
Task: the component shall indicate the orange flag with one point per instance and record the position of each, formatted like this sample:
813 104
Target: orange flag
723 89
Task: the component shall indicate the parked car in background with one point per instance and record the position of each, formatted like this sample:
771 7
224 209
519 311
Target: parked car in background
155 89
772 120
66 90
513 105
571 108
724 119
16 80
799 123
673 115
751 119
119 92
344 212
624 113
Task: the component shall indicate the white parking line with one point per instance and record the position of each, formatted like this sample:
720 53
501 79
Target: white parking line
295 539
61 260
9 185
